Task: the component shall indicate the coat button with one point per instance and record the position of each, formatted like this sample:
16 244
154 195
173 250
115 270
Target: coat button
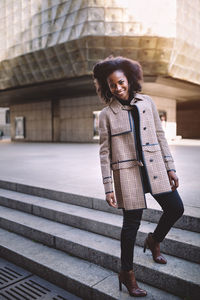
144 128
151 160
147 143
143 111
154 177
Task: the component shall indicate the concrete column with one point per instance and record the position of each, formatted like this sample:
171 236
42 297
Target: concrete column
55 106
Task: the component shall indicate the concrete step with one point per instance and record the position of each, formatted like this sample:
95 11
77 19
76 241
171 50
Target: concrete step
105 252
73 274
181 243
189 221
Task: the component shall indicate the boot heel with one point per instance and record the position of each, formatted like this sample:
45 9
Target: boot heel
120 285
154 247
145 246
127 278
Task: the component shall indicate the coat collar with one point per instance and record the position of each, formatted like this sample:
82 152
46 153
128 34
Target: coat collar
116 105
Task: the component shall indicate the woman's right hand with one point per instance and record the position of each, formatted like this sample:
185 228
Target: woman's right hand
110 198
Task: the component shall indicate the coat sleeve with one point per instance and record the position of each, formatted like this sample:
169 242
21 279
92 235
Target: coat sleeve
166 154
105 152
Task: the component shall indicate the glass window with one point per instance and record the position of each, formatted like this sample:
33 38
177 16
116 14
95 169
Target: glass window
163 118
19 127
7 116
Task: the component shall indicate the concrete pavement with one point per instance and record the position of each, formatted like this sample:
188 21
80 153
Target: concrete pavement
75 168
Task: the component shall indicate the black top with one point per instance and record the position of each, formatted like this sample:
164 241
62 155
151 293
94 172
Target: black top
136 119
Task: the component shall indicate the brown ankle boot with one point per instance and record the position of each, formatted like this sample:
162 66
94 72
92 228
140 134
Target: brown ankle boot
128 279
155 249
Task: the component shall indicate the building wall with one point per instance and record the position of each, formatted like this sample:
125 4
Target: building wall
72 120
38 120
169 106
76 117
76 125
64 120
2 116
188 119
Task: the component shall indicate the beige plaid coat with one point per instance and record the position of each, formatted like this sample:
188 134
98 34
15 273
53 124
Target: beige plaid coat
118 155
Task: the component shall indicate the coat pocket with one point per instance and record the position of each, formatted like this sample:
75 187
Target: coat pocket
119 131
125 164
151 148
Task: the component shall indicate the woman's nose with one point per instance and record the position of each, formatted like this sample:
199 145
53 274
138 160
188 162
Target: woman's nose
118 87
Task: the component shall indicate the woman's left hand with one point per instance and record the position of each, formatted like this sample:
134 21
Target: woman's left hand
173 179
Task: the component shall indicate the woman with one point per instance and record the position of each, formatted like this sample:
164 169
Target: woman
134 150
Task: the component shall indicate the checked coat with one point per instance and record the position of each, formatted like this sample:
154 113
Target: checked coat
119 157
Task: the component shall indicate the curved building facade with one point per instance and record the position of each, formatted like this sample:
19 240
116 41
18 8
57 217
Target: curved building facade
48 49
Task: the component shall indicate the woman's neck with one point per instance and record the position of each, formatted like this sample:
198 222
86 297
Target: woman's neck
124 102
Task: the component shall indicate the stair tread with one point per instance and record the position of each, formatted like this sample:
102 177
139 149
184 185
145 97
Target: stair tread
74 268
178 267
176 234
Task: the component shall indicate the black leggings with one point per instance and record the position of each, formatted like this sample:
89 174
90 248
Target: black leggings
173 209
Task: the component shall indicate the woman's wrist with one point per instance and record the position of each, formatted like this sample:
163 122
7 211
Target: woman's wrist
109 192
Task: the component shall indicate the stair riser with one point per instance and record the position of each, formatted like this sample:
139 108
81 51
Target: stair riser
70 285
158 279
182 250
12 186
168 282
48 193
168 246
32 234
174 248
151 215
185 222
78 222
15 204
64 218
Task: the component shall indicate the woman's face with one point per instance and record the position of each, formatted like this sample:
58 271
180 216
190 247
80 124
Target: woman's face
118 84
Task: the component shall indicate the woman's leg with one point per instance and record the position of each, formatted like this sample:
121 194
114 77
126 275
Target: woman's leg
173 209
131 223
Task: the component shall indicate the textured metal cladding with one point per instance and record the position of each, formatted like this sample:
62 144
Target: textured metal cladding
49 40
